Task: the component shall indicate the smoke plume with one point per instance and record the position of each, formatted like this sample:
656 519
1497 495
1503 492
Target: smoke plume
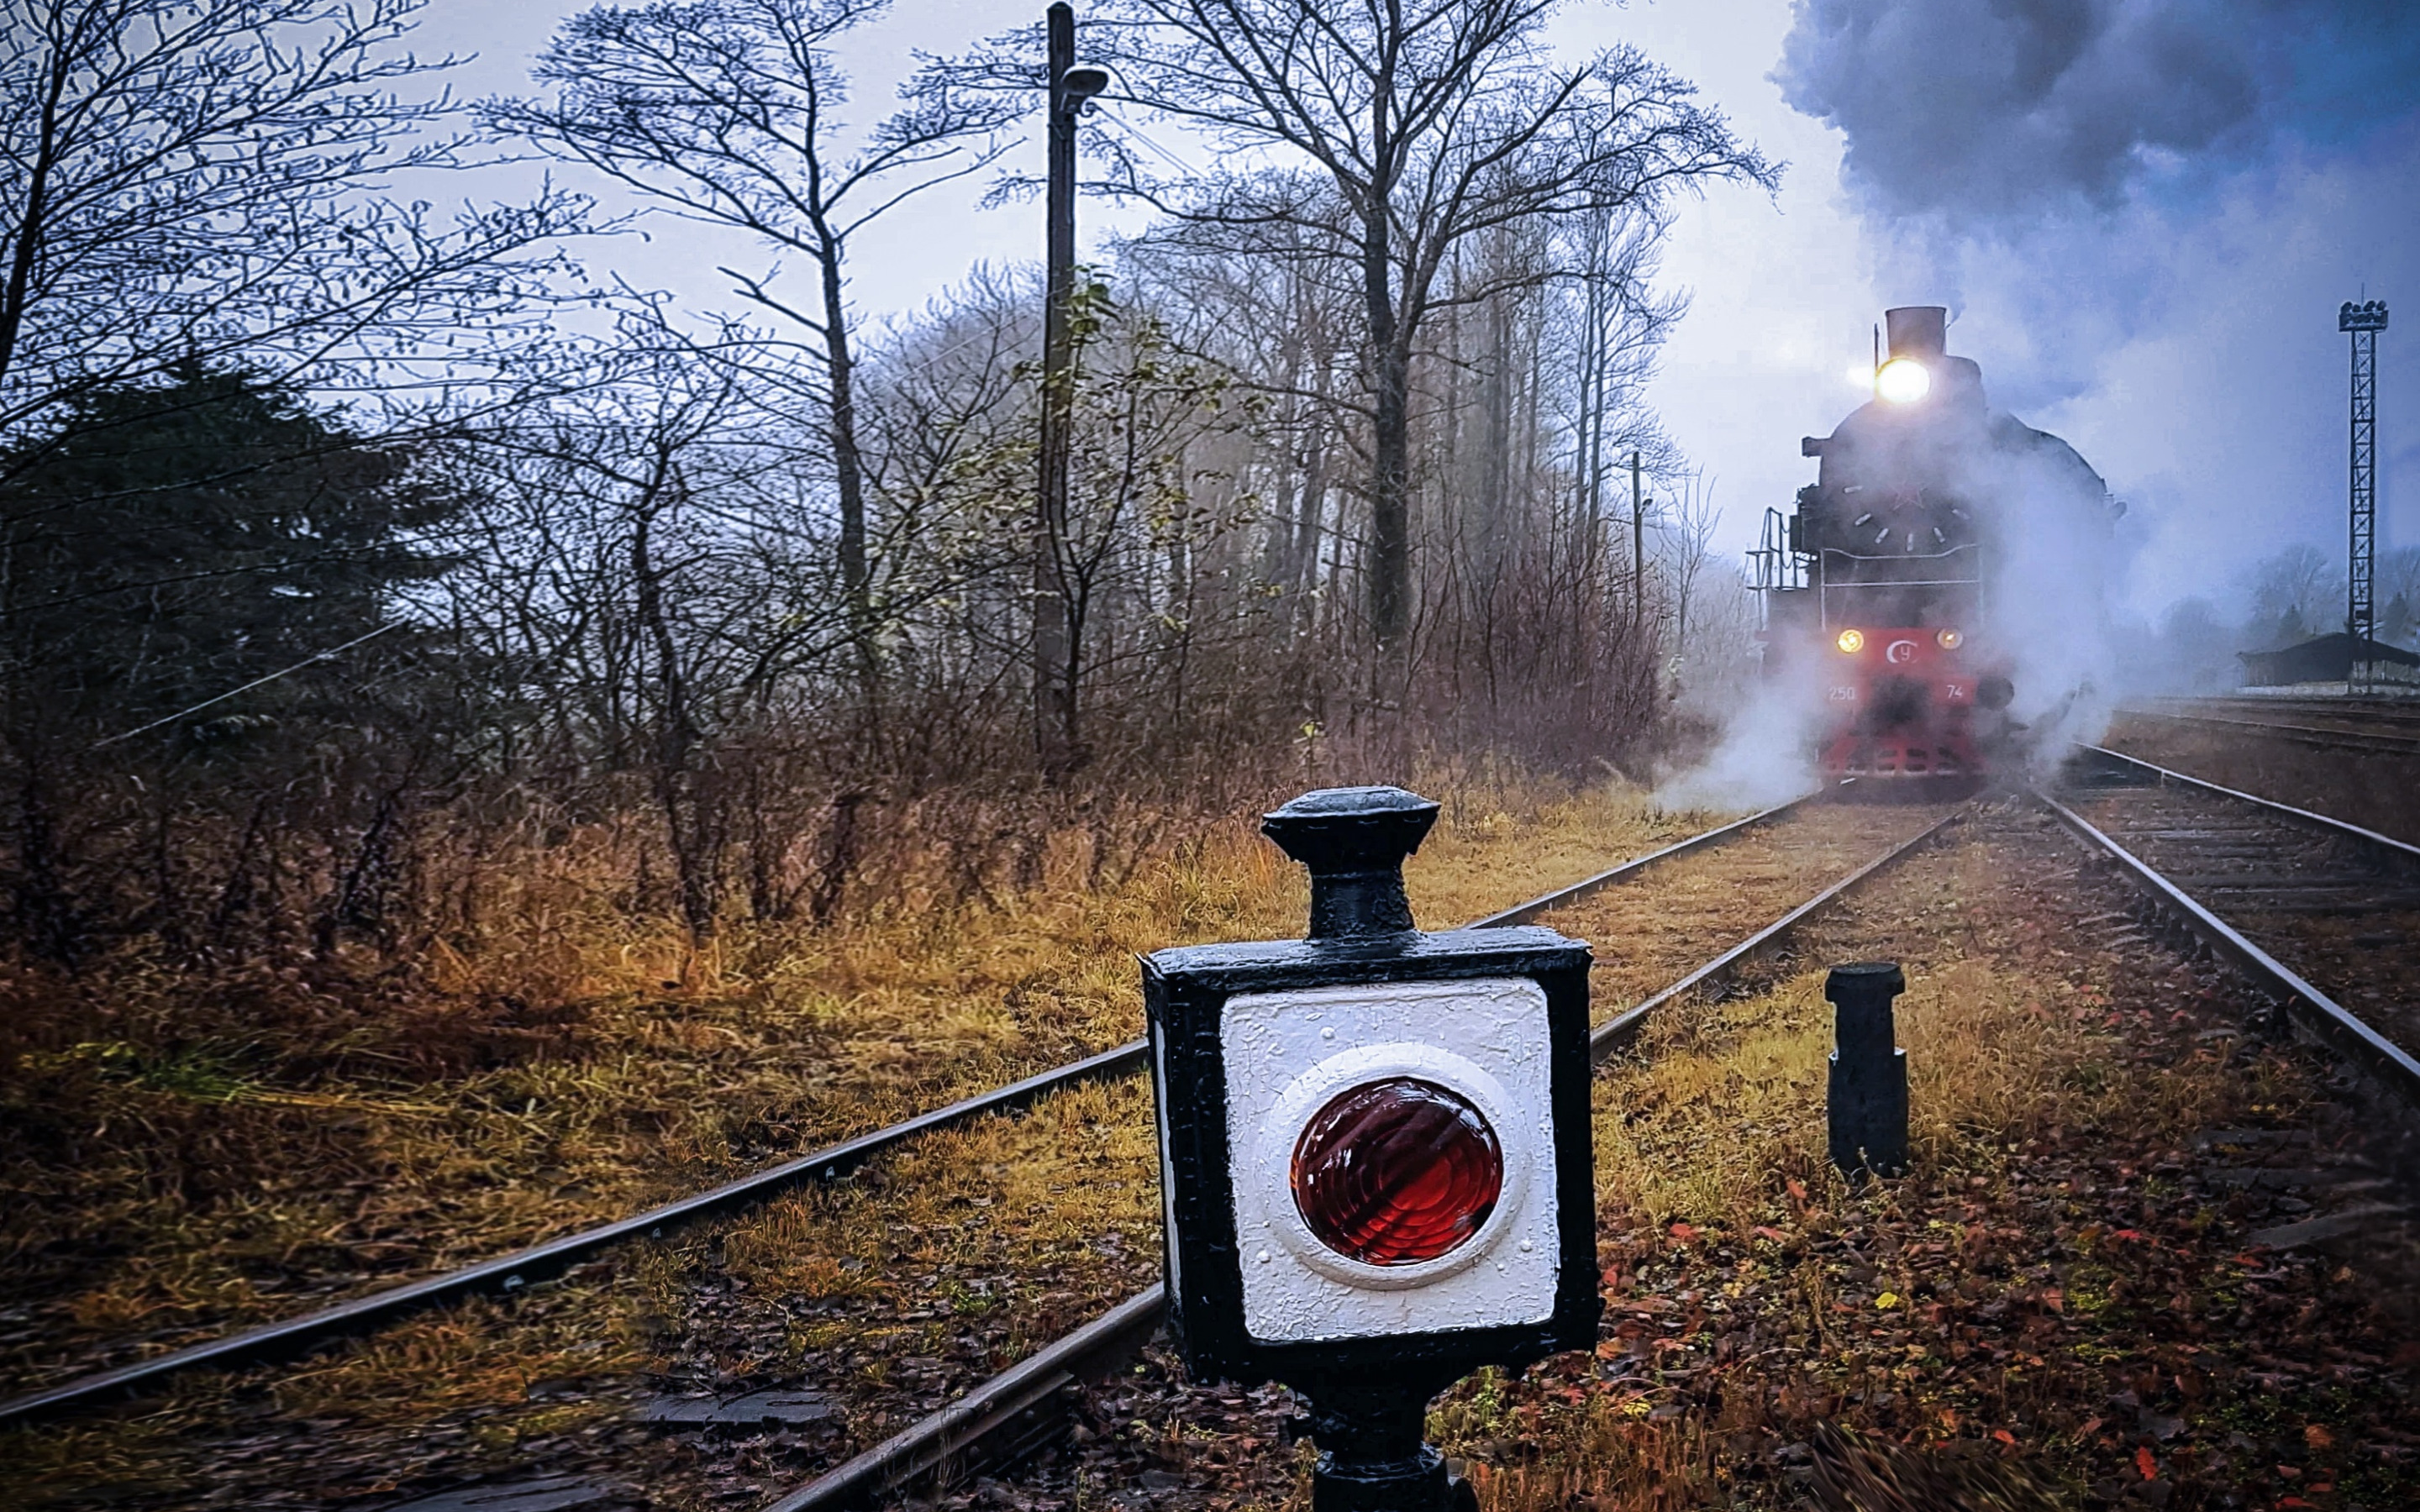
1993 112
2144 214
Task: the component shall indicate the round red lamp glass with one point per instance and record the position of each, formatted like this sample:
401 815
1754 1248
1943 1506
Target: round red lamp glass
1396 1172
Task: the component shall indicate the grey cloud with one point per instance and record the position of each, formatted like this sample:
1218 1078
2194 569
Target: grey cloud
1988 110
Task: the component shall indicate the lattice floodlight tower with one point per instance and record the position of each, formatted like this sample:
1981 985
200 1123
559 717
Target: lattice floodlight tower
1375 1151
2363 322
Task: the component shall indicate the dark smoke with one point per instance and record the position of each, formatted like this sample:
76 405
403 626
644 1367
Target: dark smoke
1998 111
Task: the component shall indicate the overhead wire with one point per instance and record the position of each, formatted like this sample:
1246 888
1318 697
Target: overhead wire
196 708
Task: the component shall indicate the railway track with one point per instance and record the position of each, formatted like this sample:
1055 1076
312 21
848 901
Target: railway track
2322 913
2373 728
1019 1409
1792 843
2264 863
1009 1414
508 1274
2261 861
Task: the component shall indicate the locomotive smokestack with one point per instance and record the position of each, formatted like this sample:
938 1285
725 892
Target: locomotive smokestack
1919 330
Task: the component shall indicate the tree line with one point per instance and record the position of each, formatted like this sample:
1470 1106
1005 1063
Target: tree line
361 561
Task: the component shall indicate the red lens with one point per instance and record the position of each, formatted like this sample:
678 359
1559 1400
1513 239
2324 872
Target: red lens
1397 1172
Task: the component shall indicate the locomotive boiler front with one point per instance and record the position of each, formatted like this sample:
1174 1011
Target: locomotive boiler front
1878 588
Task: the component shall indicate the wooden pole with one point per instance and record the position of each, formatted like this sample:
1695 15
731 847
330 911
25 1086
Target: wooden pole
1054 692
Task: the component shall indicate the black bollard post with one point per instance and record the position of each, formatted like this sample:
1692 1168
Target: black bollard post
1869 1092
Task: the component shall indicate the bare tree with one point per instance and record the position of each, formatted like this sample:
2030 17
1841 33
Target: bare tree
1690 519
642 589
728 112
1433 123
2296 591
208 183
1614 332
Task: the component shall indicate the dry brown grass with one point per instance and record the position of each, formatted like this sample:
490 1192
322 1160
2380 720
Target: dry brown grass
967 1250
1718 1125
193 1154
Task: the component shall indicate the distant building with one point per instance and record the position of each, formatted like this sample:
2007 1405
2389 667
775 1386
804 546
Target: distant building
2327 658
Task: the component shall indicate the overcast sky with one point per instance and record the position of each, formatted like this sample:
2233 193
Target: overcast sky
2169 306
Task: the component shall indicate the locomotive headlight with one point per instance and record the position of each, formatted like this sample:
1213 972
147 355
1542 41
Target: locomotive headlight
1902 381
1950 640
1852 641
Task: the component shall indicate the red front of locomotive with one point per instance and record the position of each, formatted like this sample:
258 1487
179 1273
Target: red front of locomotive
1907 702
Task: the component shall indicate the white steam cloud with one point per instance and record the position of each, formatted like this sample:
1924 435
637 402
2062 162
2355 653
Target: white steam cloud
2144 214
1763 759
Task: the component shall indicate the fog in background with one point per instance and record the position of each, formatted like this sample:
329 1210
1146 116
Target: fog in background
2143 216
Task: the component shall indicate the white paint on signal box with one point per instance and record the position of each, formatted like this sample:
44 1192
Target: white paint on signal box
1287 1053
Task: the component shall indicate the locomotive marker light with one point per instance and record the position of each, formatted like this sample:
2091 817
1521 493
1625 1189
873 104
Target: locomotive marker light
1375 1150
1852 641
1866 1108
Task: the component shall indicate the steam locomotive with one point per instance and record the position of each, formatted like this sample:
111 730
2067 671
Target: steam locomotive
1939 546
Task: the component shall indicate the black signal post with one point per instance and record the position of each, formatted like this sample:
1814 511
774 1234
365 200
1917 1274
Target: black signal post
1375 1152
1868 1104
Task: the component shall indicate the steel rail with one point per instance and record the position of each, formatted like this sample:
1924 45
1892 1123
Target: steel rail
1617 1033
2335 829
2300 735
2328 1020
2394 710
1011 1413
511 1272
1564 897
1016 1412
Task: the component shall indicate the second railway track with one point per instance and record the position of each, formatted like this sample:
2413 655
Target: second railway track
2382 728
2335 907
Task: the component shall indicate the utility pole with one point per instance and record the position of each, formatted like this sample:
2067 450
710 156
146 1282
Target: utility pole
2363 322
1055 732
1638 550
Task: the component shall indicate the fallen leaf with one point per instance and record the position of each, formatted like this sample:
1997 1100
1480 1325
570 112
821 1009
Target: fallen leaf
2317 1437
2148 1462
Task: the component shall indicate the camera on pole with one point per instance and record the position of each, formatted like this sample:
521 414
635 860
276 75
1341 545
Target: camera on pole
1375 1152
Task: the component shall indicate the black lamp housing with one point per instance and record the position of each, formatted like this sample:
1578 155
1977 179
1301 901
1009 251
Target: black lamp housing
1077 86
1363 943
